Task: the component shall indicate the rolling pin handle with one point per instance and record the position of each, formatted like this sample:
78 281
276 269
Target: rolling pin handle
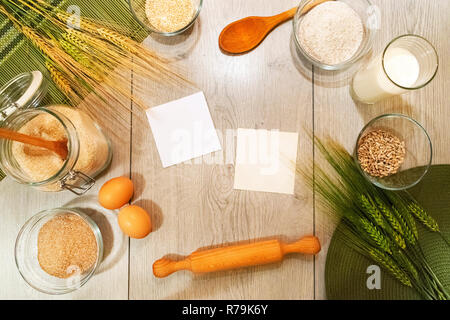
306 245
165 267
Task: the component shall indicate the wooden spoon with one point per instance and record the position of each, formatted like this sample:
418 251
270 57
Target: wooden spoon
58 147
246 34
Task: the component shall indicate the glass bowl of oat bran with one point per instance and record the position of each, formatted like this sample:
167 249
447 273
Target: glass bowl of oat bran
57 251
166 17
394 152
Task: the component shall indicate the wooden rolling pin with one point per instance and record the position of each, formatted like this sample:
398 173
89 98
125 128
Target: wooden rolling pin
237 256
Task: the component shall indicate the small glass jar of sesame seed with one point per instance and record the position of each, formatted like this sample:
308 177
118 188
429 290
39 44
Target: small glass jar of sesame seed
166 17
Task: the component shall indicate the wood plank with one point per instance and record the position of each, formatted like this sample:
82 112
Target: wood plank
111 280
194 205
337 115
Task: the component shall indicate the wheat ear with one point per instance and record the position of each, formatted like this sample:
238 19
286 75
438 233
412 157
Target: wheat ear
75 53
60 81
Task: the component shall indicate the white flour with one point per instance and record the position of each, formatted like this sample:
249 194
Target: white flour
331 33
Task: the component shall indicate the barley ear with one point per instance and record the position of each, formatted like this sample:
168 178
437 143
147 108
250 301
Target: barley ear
368 206
405 217
424 217
388 263
407 264
372 210
390 216
374 234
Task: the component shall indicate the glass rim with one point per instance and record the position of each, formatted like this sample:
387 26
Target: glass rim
166 34
413 36
38 217
417 124
334 67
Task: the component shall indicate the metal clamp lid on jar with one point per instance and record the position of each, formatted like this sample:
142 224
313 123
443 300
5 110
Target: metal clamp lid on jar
26 91
77 182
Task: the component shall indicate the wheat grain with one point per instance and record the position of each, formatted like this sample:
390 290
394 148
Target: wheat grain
37 40
75 53
65 17
117 39
73 39
59 80
89 55
169 15
399 240
381 153
95 29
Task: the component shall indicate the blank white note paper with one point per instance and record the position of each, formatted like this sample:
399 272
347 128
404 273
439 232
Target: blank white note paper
183 129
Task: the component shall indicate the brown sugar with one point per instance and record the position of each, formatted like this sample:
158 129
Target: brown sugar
66 245
39 164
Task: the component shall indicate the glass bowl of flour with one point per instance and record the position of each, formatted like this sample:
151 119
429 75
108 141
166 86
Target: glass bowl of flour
335 34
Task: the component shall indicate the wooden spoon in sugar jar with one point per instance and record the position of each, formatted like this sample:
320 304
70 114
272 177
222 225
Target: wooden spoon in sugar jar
58 147
246 34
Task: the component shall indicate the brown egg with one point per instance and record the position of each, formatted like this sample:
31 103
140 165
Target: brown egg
116 193
135 222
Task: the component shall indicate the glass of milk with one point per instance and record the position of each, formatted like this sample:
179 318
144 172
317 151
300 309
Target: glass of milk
409 62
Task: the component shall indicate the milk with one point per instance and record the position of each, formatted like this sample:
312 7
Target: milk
371 84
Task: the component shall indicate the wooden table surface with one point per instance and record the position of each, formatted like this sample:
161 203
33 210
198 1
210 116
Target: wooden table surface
194 205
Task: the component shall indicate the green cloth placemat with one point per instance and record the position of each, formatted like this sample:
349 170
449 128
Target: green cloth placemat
345 270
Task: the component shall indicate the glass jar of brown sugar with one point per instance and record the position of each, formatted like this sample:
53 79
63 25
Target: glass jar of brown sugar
89 150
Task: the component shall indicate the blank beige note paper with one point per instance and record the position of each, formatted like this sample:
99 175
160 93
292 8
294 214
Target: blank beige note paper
265 161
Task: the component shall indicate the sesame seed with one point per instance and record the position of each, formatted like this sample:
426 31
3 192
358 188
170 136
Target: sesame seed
169 15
